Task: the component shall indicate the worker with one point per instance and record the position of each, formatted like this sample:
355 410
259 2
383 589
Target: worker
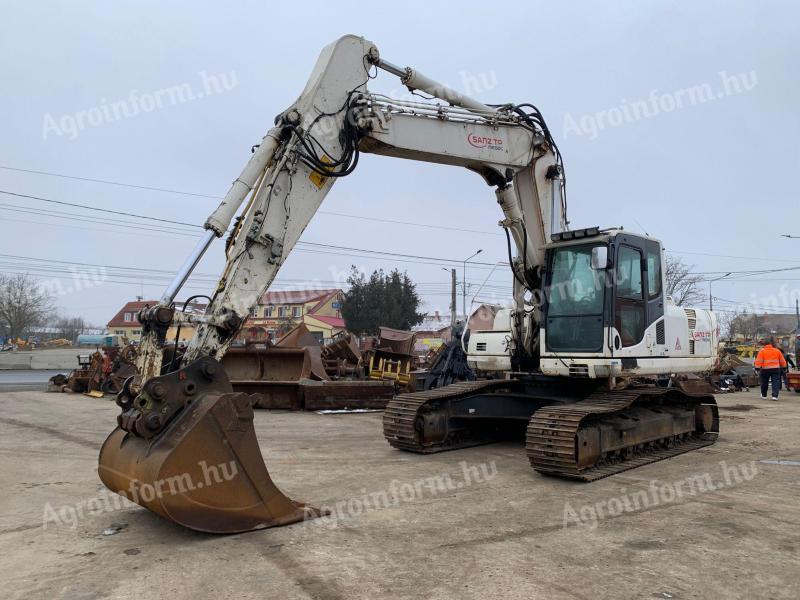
770 363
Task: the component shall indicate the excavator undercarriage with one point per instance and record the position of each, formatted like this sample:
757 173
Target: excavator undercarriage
570 430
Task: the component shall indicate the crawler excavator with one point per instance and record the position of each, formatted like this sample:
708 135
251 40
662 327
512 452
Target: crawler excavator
590 316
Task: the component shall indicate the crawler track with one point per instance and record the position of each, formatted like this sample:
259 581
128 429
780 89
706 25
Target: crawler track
417 422
403 417
554 433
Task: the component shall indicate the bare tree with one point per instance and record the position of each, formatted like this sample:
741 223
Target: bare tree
733 323
23 304
682 284
69 328
752 326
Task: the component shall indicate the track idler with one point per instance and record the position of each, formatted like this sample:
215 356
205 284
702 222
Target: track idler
186 449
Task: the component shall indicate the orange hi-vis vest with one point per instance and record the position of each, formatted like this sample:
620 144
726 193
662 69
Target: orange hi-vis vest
770 358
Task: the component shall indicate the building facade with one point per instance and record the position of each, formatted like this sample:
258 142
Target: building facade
278 312
125 322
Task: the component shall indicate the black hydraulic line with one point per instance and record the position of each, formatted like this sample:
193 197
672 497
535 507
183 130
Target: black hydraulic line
178 331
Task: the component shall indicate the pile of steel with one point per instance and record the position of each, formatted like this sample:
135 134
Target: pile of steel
734 374
296 373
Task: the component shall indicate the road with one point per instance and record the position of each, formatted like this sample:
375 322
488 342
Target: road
502 532
25 380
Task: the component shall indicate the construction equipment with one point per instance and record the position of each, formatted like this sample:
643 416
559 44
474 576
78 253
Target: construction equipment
98 373
392 358
793 378
287 376
449 363
590 308
342 357
89 374
121 366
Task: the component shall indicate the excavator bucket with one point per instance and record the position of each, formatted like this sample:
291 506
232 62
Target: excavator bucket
253 363
203 469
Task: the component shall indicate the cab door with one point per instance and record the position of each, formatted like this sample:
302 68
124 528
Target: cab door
654 284
630 306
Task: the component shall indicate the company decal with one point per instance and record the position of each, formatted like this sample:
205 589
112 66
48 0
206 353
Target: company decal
701 336
483 141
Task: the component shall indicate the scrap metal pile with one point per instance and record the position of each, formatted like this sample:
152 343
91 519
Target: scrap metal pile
99 373
392 358
296 373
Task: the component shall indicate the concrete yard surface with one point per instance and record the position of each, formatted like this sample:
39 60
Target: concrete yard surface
475 523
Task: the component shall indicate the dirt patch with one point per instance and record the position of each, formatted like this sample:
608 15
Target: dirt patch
741 407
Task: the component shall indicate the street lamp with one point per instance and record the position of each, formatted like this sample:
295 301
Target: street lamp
710 297
464 283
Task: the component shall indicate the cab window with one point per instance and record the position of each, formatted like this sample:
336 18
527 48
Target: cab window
629 273
629 307
653 274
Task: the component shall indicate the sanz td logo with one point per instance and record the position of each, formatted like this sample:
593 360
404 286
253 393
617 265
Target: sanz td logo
481 141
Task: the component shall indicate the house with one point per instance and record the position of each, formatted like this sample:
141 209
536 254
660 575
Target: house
434 330
125 322
279 311
482 318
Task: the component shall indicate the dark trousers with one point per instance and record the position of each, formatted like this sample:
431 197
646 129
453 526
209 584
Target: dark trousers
768 375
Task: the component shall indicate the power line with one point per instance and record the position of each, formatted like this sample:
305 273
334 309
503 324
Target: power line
116 232
324 212
360 217
769 259
436 260
753 305
108 210
393 222
90 219
108 182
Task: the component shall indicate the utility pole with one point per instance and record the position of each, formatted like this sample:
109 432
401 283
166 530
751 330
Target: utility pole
453 298
464 285
453 301
710 297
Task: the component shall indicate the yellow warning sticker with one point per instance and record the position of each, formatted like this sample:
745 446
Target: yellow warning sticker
318 179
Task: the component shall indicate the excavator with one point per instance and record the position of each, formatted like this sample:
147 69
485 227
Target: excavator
590 323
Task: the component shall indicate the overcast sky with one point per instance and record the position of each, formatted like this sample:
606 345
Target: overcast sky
713 177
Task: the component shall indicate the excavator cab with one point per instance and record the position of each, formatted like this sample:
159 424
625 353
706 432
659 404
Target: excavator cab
607 312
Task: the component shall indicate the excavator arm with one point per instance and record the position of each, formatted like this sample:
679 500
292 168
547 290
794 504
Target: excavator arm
318 139
170 418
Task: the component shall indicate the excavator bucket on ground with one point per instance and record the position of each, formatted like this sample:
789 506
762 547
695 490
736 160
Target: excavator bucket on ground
186 449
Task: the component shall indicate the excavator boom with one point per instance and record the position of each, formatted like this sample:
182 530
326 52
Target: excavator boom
174 421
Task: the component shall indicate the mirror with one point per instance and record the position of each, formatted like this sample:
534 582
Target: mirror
600 258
